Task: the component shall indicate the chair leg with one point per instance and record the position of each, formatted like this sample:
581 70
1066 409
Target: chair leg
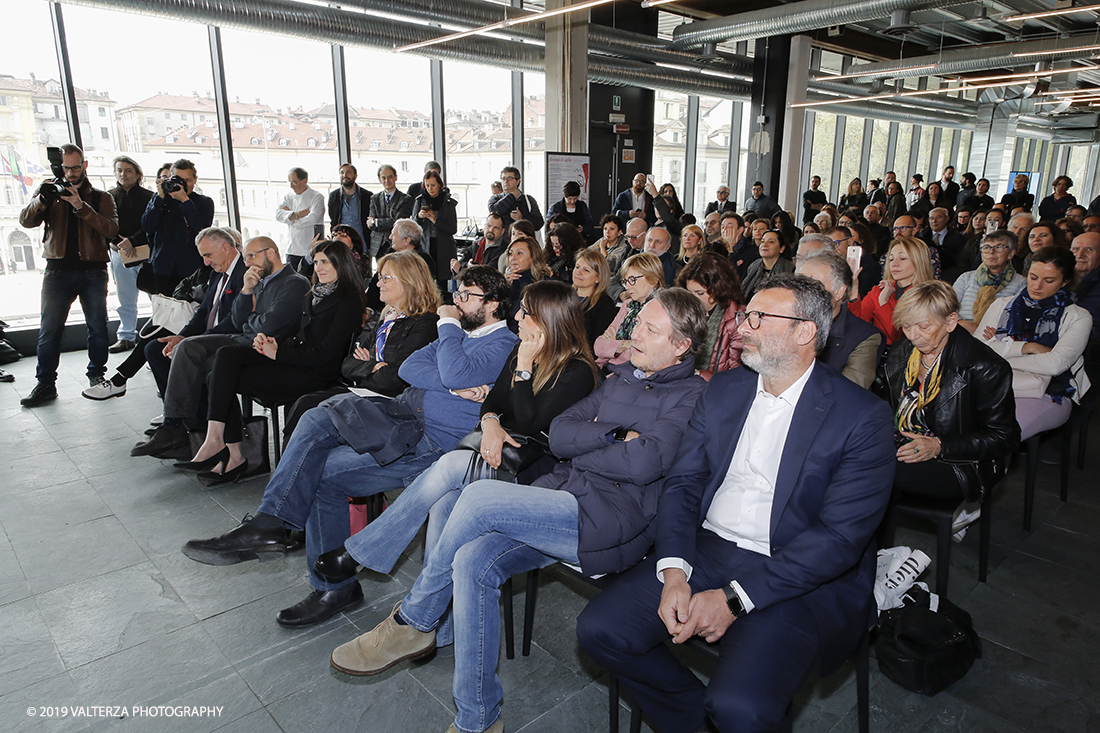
509 632
275 435
529 609
1066 442
1082 438
985 529
863 683
943 554
1029 480
613 705
635 718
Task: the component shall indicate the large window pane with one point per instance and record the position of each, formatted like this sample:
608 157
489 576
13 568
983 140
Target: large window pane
280 121
880 135
479 135
670 139
390 115
1078 160
821 155
853 149
32 117
534 140
944 158
712 153
924 156
966 139
901 155
152 118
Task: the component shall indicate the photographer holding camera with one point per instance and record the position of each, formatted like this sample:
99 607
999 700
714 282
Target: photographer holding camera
79 220
174 217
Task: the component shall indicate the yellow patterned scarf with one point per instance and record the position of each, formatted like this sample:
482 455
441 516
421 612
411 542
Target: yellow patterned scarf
915 395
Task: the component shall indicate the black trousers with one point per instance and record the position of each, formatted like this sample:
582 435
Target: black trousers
243 370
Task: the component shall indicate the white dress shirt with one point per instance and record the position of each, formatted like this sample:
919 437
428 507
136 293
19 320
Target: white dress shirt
638 200
742 506
300 231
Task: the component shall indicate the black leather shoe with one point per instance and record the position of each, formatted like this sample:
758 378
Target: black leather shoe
321 605
167 438
6 376
121 345
297 540
336 566
235 474
40 395
243 542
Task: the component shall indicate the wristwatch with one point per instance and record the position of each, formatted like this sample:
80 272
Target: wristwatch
523 375
733 600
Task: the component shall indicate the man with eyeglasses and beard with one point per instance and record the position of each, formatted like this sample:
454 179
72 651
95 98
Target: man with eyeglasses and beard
79 220
764 531
322 464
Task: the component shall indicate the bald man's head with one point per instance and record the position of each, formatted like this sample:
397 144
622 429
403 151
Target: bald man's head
262 252
635 233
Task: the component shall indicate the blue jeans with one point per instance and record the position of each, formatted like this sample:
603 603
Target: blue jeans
495 530
126 290
316 475
59 289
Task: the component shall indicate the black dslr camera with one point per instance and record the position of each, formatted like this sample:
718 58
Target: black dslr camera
173 184
51 190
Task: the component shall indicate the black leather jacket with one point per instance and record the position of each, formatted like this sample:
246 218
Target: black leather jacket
974 414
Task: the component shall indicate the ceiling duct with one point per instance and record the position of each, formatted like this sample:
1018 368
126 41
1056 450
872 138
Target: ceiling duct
900 24
981 58
806 15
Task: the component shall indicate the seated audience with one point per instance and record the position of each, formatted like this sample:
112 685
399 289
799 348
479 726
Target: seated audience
595 509
526 265
1086 250
636 235
907 264
1071 228
1038 235
270 302
994 279
321 468
612 244
955 420
642 276
347 234
782 221
405 236
772 262
811 243
658 242
563 243
591 276
711 278
405 323
1043 336
550 370
783 597
854 345
282 371
871 274
488 250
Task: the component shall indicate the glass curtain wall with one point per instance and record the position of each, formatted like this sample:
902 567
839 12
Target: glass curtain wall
712 151
670 120
534 140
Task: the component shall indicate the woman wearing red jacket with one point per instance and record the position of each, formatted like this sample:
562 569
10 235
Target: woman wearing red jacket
908 262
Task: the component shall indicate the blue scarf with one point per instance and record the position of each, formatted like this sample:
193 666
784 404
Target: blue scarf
1037 321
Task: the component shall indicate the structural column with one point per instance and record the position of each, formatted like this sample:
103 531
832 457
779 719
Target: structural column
767 121
994 130
788 164
566 81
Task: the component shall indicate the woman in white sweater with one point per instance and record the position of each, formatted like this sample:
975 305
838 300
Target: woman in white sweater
1042 335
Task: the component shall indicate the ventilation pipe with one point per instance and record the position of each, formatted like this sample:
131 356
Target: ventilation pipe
806 15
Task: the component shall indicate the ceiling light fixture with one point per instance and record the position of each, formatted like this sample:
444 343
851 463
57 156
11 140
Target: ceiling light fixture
963 86
1093 90
655 3
1051 13
1056 52
504 24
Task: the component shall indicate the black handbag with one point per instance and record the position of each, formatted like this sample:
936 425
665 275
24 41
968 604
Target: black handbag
254 445
512 459
8 352
926 650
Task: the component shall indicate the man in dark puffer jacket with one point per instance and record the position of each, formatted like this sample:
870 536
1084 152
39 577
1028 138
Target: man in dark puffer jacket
596 511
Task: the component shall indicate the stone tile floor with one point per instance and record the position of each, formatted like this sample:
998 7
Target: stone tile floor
98 607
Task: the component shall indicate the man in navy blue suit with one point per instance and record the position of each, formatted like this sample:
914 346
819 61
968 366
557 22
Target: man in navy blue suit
763 531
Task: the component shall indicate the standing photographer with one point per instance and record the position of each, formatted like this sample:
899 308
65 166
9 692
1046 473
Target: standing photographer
131 198
79 220
174 217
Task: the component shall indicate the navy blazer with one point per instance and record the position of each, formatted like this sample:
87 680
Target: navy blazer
624 204
197 324
833 485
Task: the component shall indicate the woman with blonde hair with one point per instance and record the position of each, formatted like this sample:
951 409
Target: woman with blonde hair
526 265
692 241
591 276
908 263
643 275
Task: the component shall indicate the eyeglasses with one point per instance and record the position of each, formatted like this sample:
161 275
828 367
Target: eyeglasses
383 279
632 280
463 296
754 317
839 242
903 228
993 247
254 255
635 236
522 312
74 168
508 178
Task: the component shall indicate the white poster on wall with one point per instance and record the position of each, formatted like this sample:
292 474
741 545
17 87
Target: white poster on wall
562 168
